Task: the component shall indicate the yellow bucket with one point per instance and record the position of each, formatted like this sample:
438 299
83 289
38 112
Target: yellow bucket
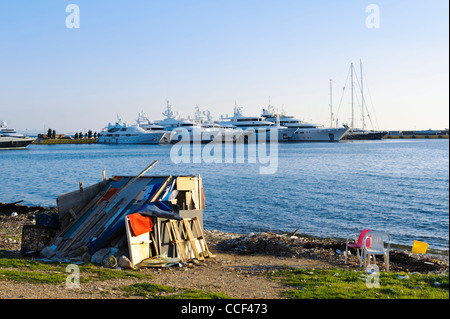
419 247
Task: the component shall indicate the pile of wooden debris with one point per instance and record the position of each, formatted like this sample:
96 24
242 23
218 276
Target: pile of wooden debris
128 221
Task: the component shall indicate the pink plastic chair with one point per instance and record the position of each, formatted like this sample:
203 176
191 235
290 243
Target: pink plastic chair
358 244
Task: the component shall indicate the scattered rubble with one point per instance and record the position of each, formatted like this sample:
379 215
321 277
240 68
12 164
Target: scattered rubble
265 243
11 228
325 249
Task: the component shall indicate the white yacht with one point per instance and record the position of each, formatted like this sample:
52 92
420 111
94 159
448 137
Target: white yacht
10 139
211 128
121 133
144 122
259 125
198 129
301 131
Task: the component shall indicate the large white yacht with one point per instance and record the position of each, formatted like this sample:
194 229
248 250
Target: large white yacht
10 139
257 125
212 128
301 131
198 129
121 133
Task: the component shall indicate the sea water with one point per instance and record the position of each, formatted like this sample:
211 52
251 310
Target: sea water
322 189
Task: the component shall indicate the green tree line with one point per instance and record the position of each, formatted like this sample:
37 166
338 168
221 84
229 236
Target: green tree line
51 134
89 134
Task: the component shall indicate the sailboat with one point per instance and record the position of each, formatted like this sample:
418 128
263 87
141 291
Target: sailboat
360 133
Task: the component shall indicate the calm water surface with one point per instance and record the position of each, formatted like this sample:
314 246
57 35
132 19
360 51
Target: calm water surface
321 189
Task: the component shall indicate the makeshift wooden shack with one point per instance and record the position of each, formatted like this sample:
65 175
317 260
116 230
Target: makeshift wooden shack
144 216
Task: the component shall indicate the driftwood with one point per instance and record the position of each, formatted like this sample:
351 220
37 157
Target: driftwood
8 208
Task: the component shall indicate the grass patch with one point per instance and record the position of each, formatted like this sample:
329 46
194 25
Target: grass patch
101 274
147 290
32 271
32 276
29 264
155 291
351 284
198 294
55 273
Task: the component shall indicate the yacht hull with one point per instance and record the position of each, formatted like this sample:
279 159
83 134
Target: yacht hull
313 134
365 136
15 142
203 136
150 138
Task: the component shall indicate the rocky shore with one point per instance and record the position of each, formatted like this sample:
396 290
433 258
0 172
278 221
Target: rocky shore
329 250
236 270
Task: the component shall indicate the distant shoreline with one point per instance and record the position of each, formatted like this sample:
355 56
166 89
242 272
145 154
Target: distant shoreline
66 141
8 208
94 140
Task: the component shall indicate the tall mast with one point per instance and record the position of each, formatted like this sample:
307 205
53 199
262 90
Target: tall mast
351 74
331 105
362 96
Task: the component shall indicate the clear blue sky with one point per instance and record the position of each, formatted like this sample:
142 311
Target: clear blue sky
129 56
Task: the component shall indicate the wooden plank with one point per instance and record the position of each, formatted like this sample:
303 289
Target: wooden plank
132 204
184 183
176 239
154 244
100 226
135 178
161 189
201 237
77 201
114 218
81 229
72 213
92 228
199 240
199 192
191 239
172 239
83 211
158 229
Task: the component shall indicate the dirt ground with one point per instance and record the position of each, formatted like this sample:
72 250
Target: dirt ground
230 272
234 275
236 270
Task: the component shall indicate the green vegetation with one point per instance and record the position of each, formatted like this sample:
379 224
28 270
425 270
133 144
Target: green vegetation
35 272
55 273
99 273
32 276
303 283
155 291
87 135
351 284
51 133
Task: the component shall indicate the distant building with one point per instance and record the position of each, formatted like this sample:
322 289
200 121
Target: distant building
57 136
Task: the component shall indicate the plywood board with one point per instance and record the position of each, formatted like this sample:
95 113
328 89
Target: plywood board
185 183
138 246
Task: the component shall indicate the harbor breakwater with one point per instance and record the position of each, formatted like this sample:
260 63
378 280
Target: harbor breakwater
65 141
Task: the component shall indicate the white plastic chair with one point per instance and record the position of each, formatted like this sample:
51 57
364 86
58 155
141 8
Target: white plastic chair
377 247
